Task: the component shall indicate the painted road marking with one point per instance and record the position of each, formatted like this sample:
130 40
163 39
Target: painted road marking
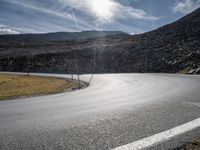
160 137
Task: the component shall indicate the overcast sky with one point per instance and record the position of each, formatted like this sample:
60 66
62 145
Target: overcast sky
131 16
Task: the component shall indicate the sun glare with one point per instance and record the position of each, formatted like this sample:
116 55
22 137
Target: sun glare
103 8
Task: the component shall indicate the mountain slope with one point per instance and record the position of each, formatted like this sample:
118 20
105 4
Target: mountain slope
172 48
58 36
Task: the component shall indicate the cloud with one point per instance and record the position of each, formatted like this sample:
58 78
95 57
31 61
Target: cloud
107 11
41 9
76 15
135 13
68 15
186 6
8 30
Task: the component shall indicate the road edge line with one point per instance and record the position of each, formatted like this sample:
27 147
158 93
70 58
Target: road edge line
160 137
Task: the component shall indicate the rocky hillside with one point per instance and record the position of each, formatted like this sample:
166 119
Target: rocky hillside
172 48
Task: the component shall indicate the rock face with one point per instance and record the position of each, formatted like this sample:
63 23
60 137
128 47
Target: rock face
172 48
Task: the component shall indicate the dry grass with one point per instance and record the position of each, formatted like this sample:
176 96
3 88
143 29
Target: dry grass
12 86
184 71
195 145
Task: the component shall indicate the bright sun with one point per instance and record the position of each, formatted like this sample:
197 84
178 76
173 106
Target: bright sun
102 8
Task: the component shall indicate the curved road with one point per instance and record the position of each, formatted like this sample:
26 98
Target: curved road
114 110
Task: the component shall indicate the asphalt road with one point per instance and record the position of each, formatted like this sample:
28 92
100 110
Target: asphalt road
114 110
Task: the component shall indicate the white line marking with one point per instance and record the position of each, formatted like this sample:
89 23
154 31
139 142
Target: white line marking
160 137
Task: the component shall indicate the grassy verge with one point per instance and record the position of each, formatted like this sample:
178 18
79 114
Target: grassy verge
12 86
184 71
195 145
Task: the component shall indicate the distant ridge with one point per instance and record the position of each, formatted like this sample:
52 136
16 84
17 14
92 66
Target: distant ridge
57 36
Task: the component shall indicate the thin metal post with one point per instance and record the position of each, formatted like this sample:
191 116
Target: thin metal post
145 63
94 63
72 77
